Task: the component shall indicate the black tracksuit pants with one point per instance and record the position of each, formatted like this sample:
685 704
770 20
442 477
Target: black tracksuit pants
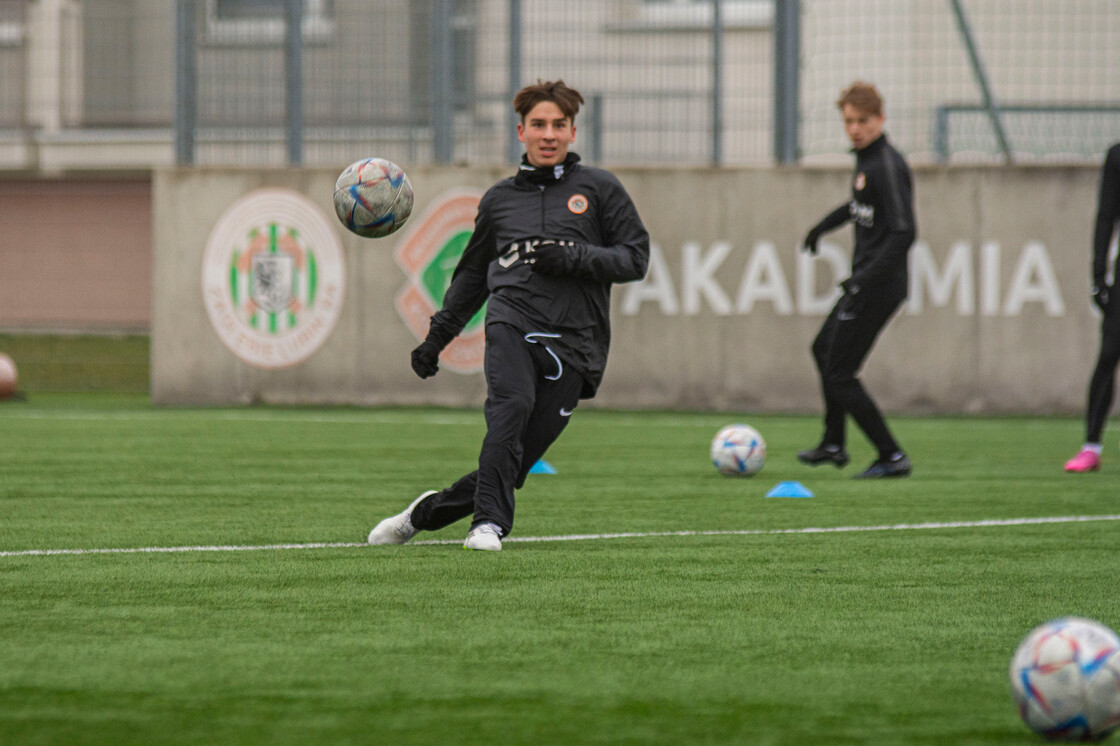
840 348
1103 382
530 397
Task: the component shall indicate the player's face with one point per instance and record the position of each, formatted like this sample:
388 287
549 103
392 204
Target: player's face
862 128
547 132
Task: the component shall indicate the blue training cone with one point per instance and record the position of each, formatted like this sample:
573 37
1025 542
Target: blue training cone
789 489
542 467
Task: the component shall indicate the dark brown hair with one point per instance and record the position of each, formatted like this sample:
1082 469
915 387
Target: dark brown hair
568 99
862 96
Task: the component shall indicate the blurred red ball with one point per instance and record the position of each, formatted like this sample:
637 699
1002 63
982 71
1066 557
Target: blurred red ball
9 376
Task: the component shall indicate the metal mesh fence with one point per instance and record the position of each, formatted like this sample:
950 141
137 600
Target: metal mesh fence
13 73
117 70
667 82
394 74
1049 68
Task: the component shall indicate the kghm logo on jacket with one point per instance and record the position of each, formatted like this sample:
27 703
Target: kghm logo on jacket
272 278
861 214
428 253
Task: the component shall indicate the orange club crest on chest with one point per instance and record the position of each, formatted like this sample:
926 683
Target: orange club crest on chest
578 204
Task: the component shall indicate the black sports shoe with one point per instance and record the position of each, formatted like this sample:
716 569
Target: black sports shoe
897 465
821 454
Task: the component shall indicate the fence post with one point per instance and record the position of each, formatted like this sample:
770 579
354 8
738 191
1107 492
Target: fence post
982 80
293 72
787 79
595 119
186 82
443 73
514 145
717 82
941 133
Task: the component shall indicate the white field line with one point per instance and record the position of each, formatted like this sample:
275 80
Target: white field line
463 418
372 418
589 537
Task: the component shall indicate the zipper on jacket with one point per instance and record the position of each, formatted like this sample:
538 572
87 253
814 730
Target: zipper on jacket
541 187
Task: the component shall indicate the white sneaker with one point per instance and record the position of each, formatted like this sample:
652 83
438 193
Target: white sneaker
486 537
397 529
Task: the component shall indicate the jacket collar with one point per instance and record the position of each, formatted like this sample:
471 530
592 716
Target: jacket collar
541 175
874 146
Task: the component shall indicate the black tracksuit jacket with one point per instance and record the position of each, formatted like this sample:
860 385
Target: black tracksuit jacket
882 210
580 204
1108 213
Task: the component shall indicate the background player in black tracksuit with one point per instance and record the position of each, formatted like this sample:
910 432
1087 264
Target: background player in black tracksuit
1103 382
882 210
547 246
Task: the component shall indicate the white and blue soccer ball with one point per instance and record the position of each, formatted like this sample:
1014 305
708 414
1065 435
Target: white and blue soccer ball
373 197
1065 677
738 451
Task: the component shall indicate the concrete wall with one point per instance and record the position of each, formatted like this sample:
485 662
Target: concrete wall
998 320
75 253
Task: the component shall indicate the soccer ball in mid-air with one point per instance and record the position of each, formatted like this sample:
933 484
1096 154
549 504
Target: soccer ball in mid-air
739 451
1065 676
373 197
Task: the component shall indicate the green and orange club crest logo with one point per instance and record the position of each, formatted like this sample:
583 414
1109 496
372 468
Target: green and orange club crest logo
273 278
428 253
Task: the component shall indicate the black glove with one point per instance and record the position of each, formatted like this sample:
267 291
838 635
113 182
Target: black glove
811 240
849 287
425 359
553 258
1101 295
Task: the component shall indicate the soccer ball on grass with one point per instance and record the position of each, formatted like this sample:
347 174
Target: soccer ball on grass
1065 677
373 197
738 451
8 376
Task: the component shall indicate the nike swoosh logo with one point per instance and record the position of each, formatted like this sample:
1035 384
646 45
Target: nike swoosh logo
508 260
566 412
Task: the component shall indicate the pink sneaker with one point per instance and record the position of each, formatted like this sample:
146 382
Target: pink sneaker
1083 462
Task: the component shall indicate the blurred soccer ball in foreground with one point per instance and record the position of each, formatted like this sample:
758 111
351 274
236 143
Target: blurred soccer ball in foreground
1065 676
739 451
373 197
9 376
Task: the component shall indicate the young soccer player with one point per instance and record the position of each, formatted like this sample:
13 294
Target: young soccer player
547 246
881 209
1103 382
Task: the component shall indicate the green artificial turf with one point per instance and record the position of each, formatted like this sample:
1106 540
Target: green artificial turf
898 635
79 362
